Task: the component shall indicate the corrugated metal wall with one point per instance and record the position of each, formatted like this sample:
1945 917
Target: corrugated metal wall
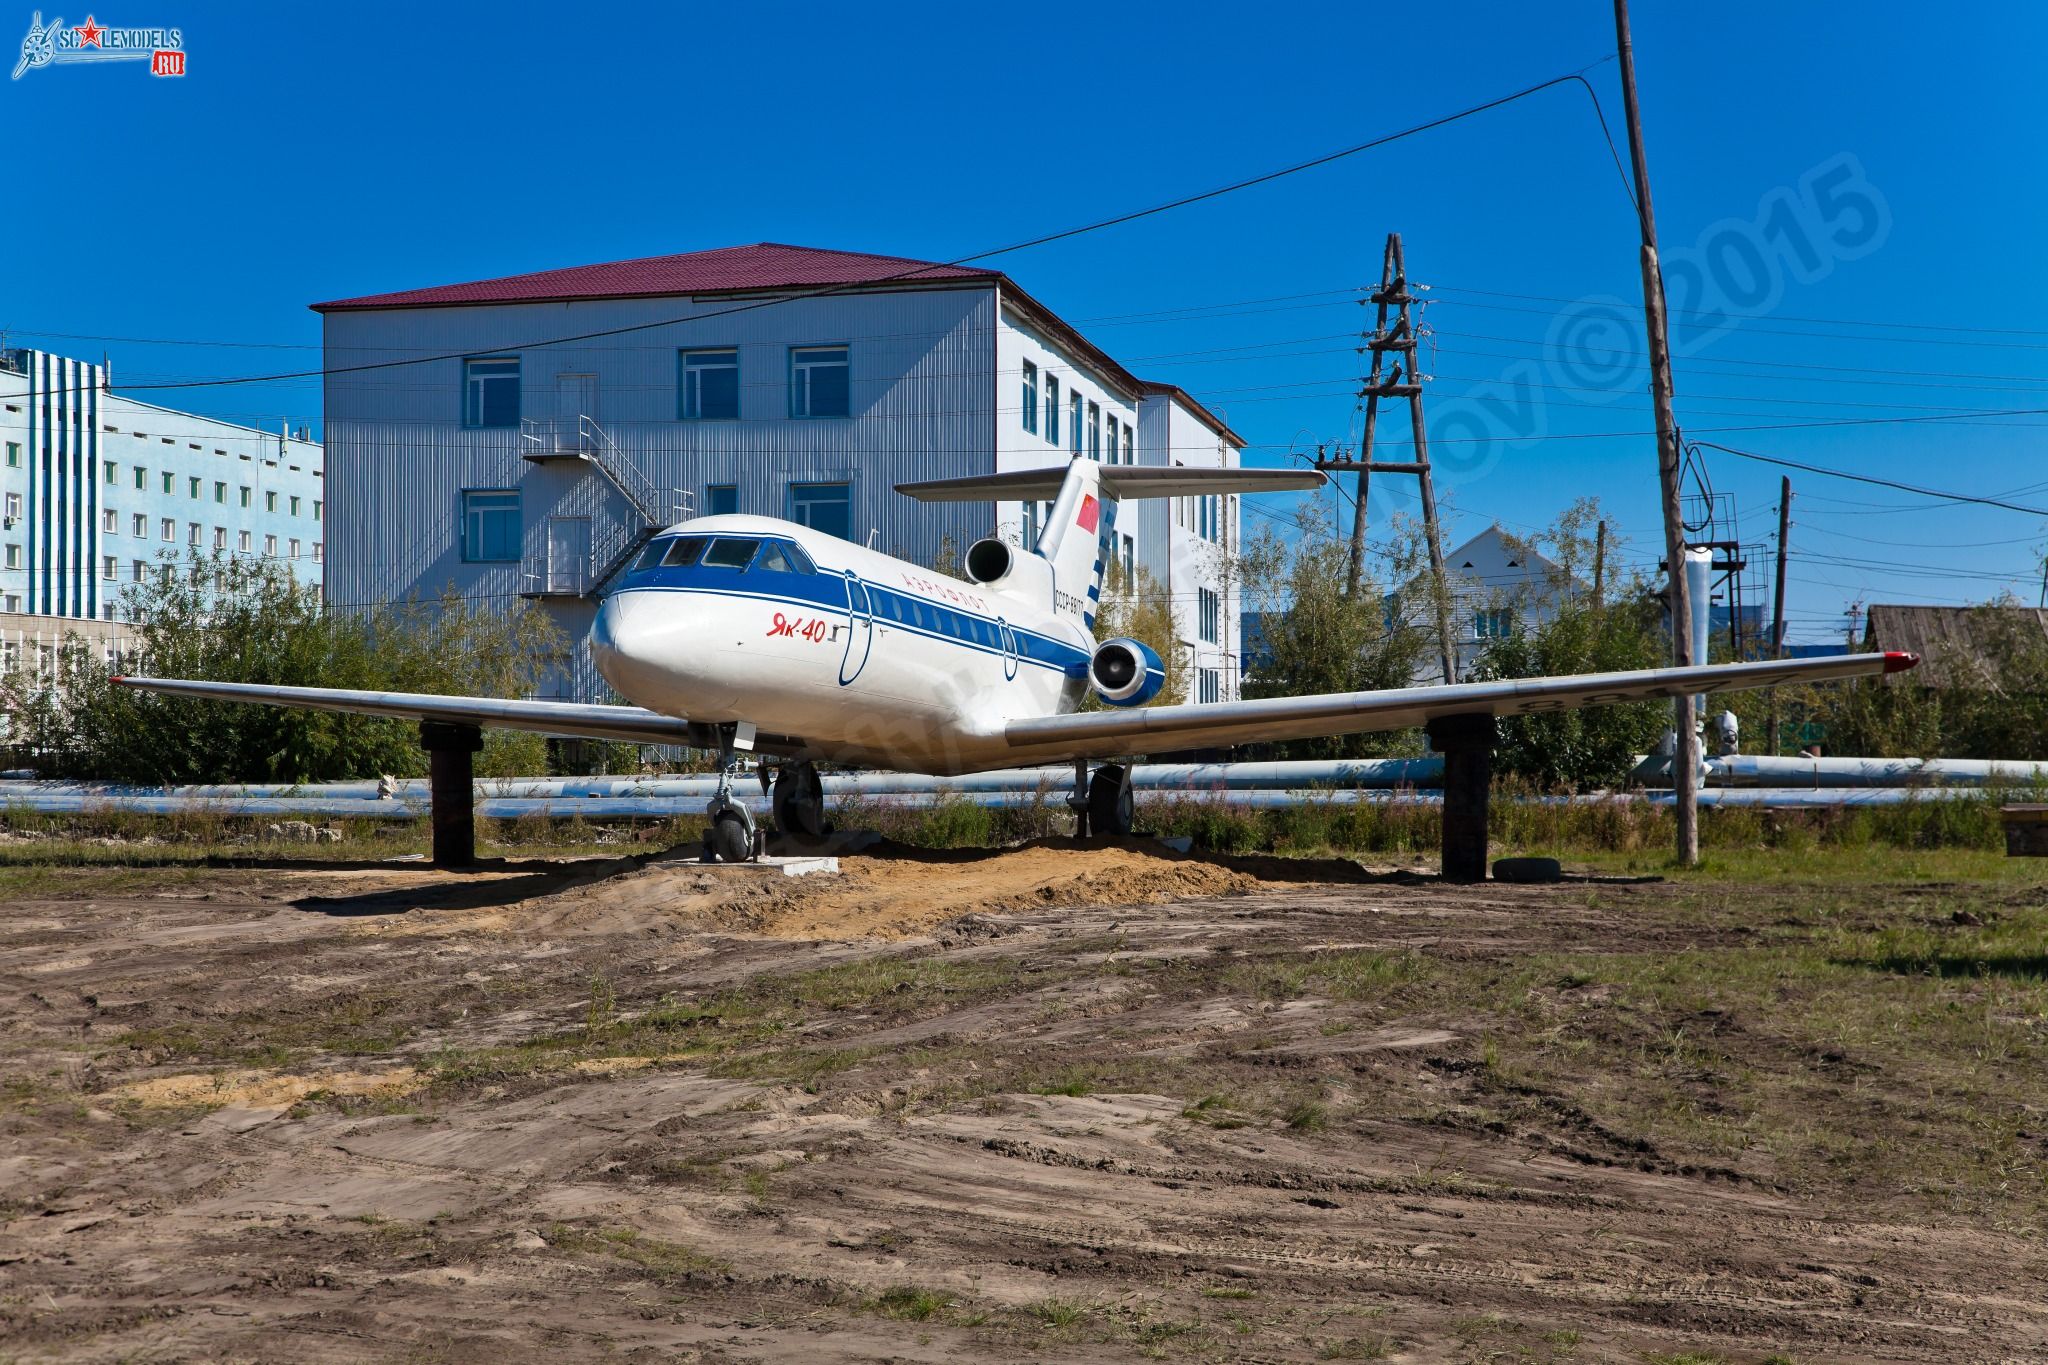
398 457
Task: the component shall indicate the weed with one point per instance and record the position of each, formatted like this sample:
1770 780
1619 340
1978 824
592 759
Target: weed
1308 1116
911 1303
1058 1312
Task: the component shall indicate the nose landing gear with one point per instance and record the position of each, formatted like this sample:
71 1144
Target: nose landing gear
732 837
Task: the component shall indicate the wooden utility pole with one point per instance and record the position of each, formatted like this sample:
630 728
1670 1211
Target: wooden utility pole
1600 565
1685 760
1778 607
1784 533
1399 341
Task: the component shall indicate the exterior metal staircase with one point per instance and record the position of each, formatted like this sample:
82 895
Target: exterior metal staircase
652 510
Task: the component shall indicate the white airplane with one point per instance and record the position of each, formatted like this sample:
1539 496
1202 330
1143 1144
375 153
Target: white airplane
744 633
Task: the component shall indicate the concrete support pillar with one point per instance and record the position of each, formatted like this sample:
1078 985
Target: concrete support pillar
451 784
1466 742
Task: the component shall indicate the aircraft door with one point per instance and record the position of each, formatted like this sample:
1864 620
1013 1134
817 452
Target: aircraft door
860 629
1009 638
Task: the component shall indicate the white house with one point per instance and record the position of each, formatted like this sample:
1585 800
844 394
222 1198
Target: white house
1498 587
520 437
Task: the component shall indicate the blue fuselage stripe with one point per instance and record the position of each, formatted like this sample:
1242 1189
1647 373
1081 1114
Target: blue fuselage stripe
826 592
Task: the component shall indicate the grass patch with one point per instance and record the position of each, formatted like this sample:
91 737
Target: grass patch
1058 1312
662 1261
910 1303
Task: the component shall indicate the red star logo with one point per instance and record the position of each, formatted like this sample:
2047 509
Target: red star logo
89 33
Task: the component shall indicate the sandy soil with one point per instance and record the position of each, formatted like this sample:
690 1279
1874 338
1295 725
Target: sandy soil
613 1111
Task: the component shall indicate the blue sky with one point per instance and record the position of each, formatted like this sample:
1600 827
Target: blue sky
316 153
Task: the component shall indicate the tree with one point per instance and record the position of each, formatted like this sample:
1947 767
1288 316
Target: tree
1593 746
1317 637
1566 631
231 619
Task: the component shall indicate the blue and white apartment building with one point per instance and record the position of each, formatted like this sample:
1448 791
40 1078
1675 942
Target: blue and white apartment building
558 417
96 488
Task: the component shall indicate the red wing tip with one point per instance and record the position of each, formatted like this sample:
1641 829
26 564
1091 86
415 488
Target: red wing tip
1899 660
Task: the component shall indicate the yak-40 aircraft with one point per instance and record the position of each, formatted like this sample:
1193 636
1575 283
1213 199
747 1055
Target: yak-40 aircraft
739 633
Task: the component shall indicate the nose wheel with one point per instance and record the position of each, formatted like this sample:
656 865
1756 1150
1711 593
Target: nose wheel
799 801
731 837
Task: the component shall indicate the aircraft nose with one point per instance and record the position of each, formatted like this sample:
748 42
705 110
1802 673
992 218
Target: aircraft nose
622 646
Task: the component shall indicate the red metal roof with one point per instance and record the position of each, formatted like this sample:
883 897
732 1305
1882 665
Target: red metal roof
765 265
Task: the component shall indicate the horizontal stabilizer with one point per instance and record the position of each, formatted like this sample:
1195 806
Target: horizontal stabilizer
1121 482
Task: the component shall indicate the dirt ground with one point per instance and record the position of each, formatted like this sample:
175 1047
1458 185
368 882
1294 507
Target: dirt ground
1052 1104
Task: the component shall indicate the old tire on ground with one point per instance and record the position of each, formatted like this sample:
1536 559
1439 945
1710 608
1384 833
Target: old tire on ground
728 838
1111 808
799 802
1528 870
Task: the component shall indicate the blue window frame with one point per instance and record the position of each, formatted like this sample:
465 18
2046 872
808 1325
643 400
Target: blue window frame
1030 398
710 381
1052 410
490 391
490 525
721 499
1074 422
1094 431
819 383
826 507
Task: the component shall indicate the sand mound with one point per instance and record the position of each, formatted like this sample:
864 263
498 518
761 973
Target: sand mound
261 1089
912 893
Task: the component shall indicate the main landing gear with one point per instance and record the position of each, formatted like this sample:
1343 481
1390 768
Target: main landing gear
799 801
1102 801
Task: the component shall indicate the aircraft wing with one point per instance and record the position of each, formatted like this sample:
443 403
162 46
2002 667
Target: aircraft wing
630 723
1163 729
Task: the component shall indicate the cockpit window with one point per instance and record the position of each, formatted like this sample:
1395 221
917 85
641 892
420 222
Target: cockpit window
780 556
650 556
728 552
684 551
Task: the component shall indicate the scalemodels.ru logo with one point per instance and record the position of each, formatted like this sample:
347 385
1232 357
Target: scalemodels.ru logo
53 44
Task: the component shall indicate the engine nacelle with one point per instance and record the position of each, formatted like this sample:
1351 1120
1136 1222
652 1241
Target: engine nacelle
1126 672
1016 573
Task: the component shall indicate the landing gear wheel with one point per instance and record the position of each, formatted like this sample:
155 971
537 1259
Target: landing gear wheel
1111 808
729 839
799 802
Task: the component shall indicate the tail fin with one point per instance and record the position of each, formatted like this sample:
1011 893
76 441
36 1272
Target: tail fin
1079 535
1077 540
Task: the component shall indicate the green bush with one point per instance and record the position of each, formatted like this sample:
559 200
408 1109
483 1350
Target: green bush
230 619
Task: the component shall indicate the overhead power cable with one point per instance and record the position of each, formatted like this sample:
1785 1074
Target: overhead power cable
1873 479
925 268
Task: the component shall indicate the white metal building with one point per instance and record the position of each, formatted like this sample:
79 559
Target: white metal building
95 488
564 415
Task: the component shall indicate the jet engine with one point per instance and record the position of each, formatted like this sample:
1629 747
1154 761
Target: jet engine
1126 672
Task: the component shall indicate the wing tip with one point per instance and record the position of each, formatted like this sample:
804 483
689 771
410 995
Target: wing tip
1899 660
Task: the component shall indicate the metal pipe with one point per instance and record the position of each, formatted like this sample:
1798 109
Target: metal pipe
654 807
1763 770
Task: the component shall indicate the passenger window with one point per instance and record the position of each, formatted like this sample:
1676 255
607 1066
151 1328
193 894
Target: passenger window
684 551
727 553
